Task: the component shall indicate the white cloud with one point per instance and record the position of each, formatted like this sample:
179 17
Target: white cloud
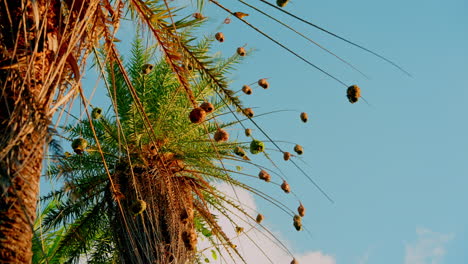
253 241
428 249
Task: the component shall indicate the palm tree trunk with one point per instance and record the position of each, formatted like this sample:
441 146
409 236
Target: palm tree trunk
41 46
164 231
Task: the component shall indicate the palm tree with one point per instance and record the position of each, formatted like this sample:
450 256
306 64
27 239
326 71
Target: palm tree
156 193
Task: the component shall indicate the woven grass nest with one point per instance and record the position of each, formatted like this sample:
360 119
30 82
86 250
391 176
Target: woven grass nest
239 152
241 51
248 112
304 117
297 222
256 146
353 93
264 175
247 90
259 218
286 156
79 145
147 68
138 207
219 37
248 132
197 115
282 3
301 210
190 239
285 187
298 149
263 83
96 113
208 107
221 135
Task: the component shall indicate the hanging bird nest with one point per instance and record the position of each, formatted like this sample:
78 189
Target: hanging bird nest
264 175
263 83
256 146
297 221
79 145
147 68
353 93
294 261
198 15
208 107
248 132
240 14
67 154
246 89
221 135
282 3
286 156
304 117
239 152
259 218
298 149
190 239
301 210
219 37
285 187
96 113
197 115
187 215
241 51
138 207
239 230
248 112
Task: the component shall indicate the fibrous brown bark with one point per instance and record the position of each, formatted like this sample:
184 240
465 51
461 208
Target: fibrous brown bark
42 43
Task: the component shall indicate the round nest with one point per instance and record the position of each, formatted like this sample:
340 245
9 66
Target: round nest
285 187
219 37
197 115
79 145
304 117
259 218
298 149
301 210
249 112
263 83
241 51
286 156
294 261
282 3
264 175
221 135
198 16
297 222
96 113
246 89
208 107
239 230
353 93
239 151
138 207
256 146
190 239
147 68
248 132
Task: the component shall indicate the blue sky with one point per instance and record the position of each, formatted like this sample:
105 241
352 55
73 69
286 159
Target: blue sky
397 168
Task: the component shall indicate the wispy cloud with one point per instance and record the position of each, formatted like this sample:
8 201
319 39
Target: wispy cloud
255 245
428 249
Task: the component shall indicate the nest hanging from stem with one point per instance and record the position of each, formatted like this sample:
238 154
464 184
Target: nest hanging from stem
248 112
248 132
96 113
301 210
239 230
298 149
198 15
256 146
138 207
294 261
147 68
79 145
197 115
190 239
208 107
219 37
259 218
263 83
285 187
221 135
304 117
247 90
282 3
286 156
239 152
264 175
297 222
241 51
353 93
